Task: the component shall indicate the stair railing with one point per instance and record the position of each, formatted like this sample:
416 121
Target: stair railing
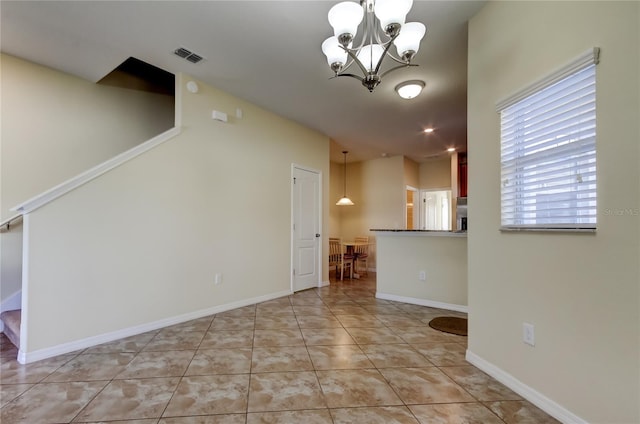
8 223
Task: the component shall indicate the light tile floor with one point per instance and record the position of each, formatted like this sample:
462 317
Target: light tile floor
330 355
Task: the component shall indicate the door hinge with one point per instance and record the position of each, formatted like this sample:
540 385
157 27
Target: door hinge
294 180
294 271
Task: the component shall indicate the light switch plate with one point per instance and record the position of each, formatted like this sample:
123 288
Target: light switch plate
528 334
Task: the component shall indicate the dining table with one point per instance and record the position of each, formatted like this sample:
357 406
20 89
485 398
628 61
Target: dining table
350 250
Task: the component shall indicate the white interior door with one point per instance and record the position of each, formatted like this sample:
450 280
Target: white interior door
306 229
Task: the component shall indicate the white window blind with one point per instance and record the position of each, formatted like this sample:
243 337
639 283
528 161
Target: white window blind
548 151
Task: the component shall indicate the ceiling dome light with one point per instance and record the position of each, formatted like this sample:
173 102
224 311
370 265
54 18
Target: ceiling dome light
428 130
410 89
451 149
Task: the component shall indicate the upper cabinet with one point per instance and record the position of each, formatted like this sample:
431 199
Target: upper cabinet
462 174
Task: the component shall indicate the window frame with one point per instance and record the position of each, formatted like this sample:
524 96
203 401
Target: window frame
565 194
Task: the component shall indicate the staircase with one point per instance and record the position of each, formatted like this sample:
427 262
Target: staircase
11 320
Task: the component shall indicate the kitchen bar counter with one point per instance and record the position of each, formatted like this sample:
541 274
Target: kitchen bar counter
422 267
383 232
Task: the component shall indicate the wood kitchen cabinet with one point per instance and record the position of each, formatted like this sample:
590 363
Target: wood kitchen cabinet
462 175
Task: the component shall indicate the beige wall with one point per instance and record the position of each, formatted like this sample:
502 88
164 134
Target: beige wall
149 236
580 291
435 174
377 188
55 126
336 191
411 173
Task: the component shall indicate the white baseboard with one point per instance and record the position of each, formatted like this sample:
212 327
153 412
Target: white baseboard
423 302
552 408
11 303
324 283
37 355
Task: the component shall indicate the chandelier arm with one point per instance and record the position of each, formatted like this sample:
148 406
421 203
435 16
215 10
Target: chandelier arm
345 67
404 65
395 59
382 56
357 61
359 78
351 58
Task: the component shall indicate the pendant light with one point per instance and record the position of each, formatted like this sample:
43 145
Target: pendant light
345 201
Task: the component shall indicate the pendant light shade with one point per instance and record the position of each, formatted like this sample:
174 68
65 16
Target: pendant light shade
345 201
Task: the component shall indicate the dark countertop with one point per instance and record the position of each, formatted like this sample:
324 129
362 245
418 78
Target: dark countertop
421 232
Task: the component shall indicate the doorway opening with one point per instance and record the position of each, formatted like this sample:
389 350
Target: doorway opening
436 210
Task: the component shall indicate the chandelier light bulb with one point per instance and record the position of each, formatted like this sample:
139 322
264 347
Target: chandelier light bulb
392 13
370 55
344 18
408 41
336 55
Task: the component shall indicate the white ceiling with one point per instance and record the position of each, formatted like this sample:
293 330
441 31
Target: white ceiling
267 52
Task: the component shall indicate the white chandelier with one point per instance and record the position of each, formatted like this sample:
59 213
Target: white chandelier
384 25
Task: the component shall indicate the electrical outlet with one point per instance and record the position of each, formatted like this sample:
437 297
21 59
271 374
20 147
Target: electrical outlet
528 334
217 279
422 276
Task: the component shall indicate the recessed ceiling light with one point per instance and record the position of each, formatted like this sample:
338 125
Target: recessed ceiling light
451 149
410 89
428 130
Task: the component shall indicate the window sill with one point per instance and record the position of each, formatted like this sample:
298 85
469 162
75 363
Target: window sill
548 230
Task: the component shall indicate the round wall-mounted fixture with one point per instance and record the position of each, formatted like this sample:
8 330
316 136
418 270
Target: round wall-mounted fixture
410 89
192 86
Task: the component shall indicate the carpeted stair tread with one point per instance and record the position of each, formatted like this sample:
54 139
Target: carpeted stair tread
11 321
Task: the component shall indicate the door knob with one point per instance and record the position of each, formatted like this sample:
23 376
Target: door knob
317 234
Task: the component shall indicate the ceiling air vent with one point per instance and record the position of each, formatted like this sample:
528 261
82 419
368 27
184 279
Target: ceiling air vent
188 55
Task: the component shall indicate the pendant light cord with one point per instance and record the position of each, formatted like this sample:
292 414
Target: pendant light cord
345 173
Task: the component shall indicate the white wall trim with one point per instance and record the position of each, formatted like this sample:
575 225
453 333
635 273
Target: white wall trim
324 283
552 408
80 179
423 302
28 357
24 317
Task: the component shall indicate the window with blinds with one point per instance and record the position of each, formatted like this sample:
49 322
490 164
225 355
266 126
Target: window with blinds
548 151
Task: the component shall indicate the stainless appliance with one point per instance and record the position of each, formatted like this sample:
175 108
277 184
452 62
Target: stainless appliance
461 213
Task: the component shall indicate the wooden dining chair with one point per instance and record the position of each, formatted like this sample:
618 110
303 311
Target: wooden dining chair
361 253
339 259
